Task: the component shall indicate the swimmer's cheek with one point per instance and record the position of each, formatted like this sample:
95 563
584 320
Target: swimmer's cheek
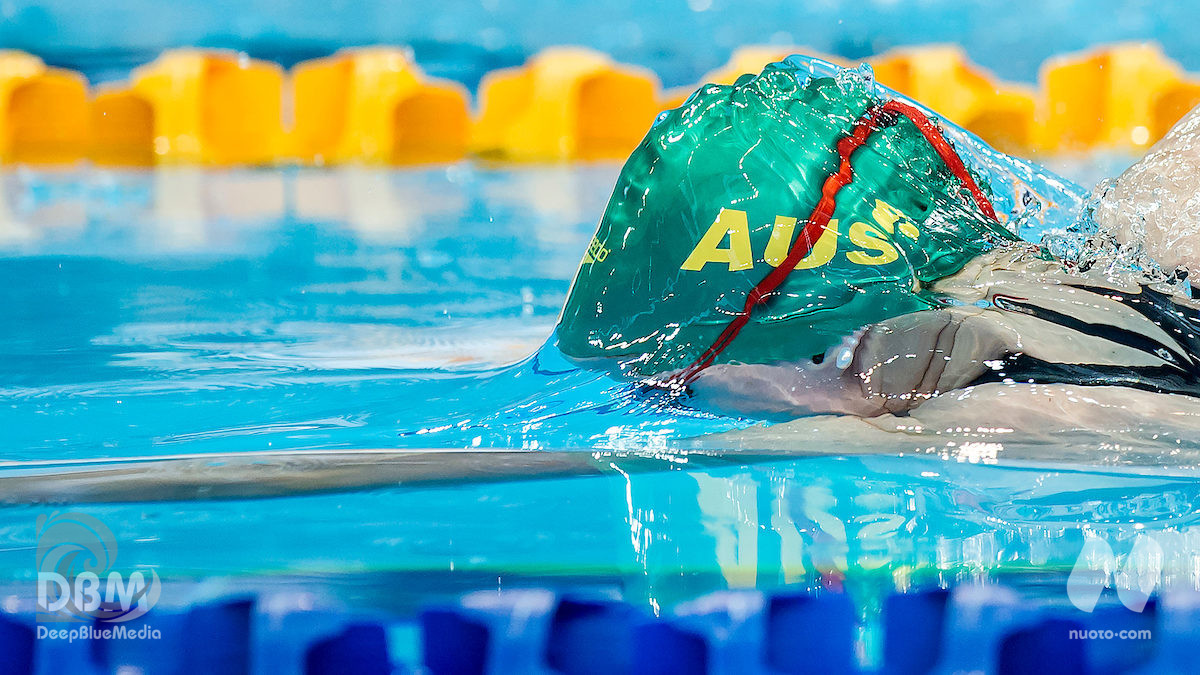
781 391
903 362
784 390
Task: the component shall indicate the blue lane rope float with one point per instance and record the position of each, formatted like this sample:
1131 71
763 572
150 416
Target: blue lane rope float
985 628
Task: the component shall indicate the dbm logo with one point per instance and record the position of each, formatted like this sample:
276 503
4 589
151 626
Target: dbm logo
1097 569
76 580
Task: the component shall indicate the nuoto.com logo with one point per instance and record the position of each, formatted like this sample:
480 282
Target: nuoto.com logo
1135 579
76 580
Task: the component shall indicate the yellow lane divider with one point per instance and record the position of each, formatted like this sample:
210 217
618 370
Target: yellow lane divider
565 103
1106 98
1171 103
942 78
43 112
122 128
213 107
375 106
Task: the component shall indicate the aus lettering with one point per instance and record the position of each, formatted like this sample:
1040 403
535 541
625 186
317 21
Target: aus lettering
727 241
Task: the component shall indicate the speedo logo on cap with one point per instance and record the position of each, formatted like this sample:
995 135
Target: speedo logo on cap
597 252
872 241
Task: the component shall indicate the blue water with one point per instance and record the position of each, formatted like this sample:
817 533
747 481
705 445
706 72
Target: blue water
186 312
150 330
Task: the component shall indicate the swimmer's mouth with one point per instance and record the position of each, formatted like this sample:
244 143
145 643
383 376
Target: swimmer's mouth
1178 370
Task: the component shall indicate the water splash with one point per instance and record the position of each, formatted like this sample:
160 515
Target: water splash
1092 245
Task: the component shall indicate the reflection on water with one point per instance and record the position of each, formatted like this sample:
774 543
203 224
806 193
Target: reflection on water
193 209
868 524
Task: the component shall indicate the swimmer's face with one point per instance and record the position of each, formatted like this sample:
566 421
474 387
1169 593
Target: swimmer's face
1011 318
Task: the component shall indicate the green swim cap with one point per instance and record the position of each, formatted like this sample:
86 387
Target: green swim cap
711 201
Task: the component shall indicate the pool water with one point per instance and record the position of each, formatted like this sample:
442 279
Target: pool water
279 315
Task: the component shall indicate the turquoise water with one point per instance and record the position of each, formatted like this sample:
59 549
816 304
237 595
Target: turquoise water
207 314
271 310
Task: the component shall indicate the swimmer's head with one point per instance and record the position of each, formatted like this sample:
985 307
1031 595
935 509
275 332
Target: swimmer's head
713 201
